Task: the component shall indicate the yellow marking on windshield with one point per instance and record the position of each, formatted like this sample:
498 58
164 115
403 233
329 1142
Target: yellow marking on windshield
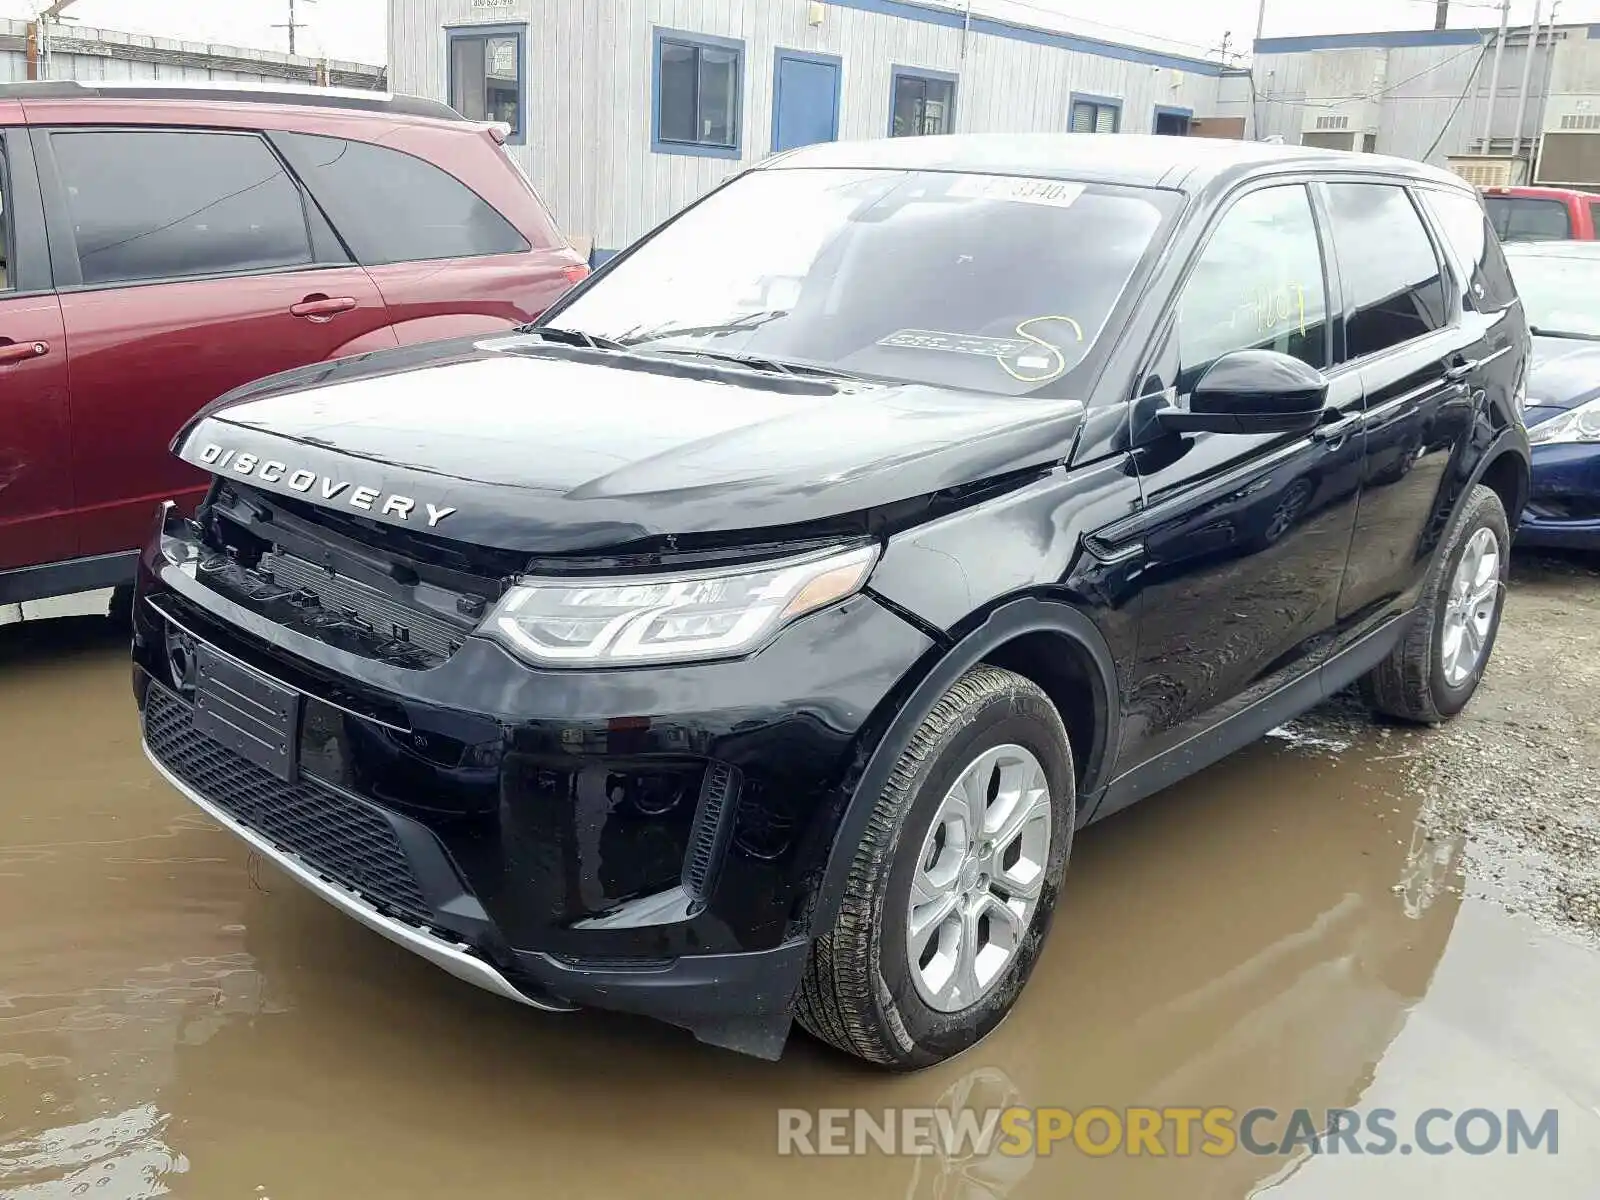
1057 359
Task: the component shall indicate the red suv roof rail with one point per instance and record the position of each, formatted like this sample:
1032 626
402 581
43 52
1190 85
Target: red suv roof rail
269 93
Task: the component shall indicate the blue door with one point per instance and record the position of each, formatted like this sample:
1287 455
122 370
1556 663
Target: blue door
805 100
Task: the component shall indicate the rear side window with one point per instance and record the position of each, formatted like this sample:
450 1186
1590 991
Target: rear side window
1393 288
1525 219
392 207
1465 228
163 204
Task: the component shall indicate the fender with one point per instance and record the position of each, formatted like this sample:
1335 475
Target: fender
442 326
1011 620
1511 441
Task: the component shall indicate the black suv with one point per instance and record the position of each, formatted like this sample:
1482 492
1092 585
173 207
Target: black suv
746 641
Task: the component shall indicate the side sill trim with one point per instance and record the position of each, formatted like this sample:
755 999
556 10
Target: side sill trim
437 951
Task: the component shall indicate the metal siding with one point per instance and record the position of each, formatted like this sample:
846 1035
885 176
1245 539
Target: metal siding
1423 85
592 72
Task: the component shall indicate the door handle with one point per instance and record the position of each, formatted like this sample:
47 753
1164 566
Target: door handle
11 352
1337 429
322 308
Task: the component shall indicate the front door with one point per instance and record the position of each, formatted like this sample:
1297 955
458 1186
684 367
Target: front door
805 100
1245 535
194 264
36 525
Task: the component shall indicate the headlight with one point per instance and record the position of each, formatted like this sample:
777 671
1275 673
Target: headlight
670 618
1581 424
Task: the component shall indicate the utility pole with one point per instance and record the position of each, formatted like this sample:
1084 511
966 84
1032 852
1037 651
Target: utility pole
1494 76
1527 76
1544 91
292 24
39 35
1441 13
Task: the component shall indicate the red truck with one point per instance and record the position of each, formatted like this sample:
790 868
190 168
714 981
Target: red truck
1542 214
162 245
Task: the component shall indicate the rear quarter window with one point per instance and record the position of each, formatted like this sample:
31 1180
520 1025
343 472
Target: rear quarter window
392 207
1461 220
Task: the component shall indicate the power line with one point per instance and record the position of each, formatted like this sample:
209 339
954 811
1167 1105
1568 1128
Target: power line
1061 16
1336 101
1460 100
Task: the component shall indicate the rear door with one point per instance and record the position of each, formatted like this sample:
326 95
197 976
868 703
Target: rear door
36 524
189 262
447 261
1404 332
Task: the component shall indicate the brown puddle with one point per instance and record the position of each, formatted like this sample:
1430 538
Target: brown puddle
1277 932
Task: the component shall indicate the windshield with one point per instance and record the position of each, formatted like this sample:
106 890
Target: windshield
988 283
1560 293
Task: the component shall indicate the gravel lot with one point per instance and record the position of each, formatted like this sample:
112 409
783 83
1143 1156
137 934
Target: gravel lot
1517 776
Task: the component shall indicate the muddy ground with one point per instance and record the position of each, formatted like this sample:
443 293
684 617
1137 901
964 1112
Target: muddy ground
1345 914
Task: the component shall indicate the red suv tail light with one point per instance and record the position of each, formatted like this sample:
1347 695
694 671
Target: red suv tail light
576 272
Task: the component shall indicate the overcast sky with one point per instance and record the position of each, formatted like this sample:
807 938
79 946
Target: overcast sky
354 29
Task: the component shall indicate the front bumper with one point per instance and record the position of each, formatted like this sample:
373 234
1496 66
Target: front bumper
645 841
1563 510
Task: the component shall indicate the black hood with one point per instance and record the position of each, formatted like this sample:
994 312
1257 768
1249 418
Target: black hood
1565 373
530 447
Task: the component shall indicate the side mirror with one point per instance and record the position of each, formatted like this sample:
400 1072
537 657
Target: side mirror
1252 391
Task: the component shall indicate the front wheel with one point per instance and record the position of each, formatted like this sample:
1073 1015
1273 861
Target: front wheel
1435 669
952 888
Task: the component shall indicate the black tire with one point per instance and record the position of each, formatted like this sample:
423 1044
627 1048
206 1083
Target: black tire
1410 684
857 993
120 610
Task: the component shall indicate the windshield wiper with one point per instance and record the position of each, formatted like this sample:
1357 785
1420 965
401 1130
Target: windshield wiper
1564 333
754 362
571 337
742 324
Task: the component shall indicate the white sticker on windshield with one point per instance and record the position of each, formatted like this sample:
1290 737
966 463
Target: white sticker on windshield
1054 192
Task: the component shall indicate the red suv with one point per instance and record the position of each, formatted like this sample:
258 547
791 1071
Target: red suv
1542 214
160 246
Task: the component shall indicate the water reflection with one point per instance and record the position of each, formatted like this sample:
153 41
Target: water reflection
1277 932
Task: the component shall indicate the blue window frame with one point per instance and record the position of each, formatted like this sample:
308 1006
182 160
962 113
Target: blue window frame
487 69
1094 114
1169 119
921 102
696 94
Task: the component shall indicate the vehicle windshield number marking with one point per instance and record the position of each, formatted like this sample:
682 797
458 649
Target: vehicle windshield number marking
1052 192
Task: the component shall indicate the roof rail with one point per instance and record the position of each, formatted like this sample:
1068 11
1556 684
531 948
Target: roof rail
265 93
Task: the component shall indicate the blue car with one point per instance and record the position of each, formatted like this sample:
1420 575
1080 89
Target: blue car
1560 287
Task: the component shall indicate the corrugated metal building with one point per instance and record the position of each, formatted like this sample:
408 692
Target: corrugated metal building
62 51
1426 94
627 110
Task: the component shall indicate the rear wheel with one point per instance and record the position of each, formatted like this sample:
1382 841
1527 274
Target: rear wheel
952 888
1435 670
